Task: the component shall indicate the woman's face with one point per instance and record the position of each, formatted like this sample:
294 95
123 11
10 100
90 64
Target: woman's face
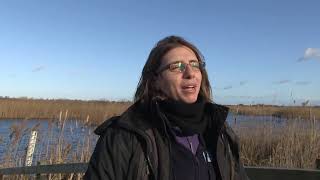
180 86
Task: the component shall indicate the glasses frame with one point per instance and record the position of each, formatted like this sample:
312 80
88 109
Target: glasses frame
167 67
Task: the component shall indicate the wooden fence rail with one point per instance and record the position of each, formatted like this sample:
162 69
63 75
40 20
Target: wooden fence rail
266 173
45 169
255 173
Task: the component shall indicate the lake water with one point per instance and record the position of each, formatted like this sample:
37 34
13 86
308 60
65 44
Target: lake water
76 136
79 137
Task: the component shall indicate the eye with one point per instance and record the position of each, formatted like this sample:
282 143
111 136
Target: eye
195 64
176 66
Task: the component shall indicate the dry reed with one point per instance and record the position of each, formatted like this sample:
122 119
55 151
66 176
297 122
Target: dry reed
290 146
90 111
54 146
290 112
266 145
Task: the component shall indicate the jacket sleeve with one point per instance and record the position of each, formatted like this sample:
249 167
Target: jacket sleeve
233 140
111 156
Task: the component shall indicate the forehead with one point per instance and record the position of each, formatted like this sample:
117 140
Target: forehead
182 53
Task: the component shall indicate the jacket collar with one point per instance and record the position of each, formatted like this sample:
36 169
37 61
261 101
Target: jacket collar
139 118
134 118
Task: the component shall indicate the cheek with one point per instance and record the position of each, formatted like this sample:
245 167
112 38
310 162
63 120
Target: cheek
199 77
169 85
172 82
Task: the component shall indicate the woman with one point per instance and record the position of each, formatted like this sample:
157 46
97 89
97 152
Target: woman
173 131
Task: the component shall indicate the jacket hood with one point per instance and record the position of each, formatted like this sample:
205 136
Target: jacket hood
135 117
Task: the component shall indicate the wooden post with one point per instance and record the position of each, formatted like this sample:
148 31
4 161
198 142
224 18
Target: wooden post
317 163
31 146
87 120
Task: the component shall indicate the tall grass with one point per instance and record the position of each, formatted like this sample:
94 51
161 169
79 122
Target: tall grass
52 146
91 111
290 112
97 111
291 146
265 145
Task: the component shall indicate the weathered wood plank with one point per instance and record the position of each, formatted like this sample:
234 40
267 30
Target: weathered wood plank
264 173
47 169
255 173
318 163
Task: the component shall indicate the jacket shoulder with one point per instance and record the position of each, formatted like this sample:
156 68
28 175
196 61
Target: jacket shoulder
112 153
104 126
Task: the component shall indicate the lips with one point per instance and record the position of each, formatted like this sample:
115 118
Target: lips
189 88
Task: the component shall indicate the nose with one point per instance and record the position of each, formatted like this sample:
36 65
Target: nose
188 72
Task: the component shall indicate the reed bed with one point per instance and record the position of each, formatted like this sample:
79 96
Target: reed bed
97 111
57 144
289 112
290 146
90 111
264 145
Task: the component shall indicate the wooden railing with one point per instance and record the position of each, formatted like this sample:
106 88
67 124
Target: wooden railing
45 169
266 173
254 173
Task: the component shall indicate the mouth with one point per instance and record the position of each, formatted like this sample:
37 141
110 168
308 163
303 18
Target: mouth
189 88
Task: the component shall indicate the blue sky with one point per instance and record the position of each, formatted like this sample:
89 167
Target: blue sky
256 51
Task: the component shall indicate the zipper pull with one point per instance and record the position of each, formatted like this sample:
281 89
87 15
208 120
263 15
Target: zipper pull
191 147
190 144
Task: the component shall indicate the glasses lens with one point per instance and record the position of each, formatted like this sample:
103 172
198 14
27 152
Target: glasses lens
195 65
181 66
177 67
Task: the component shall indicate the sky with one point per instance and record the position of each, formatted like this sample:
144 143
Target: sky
256 52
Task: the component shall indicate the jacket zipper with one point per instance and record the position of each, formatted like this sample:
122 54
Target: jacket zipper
195 159
197 168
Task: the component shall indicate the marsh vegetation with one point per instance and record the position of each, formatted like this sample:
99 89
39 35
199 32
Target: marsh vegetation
66 131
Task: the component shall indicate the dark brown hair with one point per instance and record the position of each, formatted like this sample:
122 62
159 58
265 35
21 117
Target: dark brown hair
146 89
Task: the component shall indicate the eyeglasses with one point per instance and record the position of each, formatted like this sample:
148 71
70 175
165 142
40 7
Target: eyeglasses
179 66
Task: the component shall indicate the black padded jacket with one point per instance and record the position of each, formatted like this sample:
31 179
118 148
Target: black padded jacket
136 145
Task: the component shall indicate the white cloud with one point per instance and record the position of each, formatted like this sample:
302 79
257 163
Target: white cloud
282 81
310 53
37 69
243 83
303 82
227 87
